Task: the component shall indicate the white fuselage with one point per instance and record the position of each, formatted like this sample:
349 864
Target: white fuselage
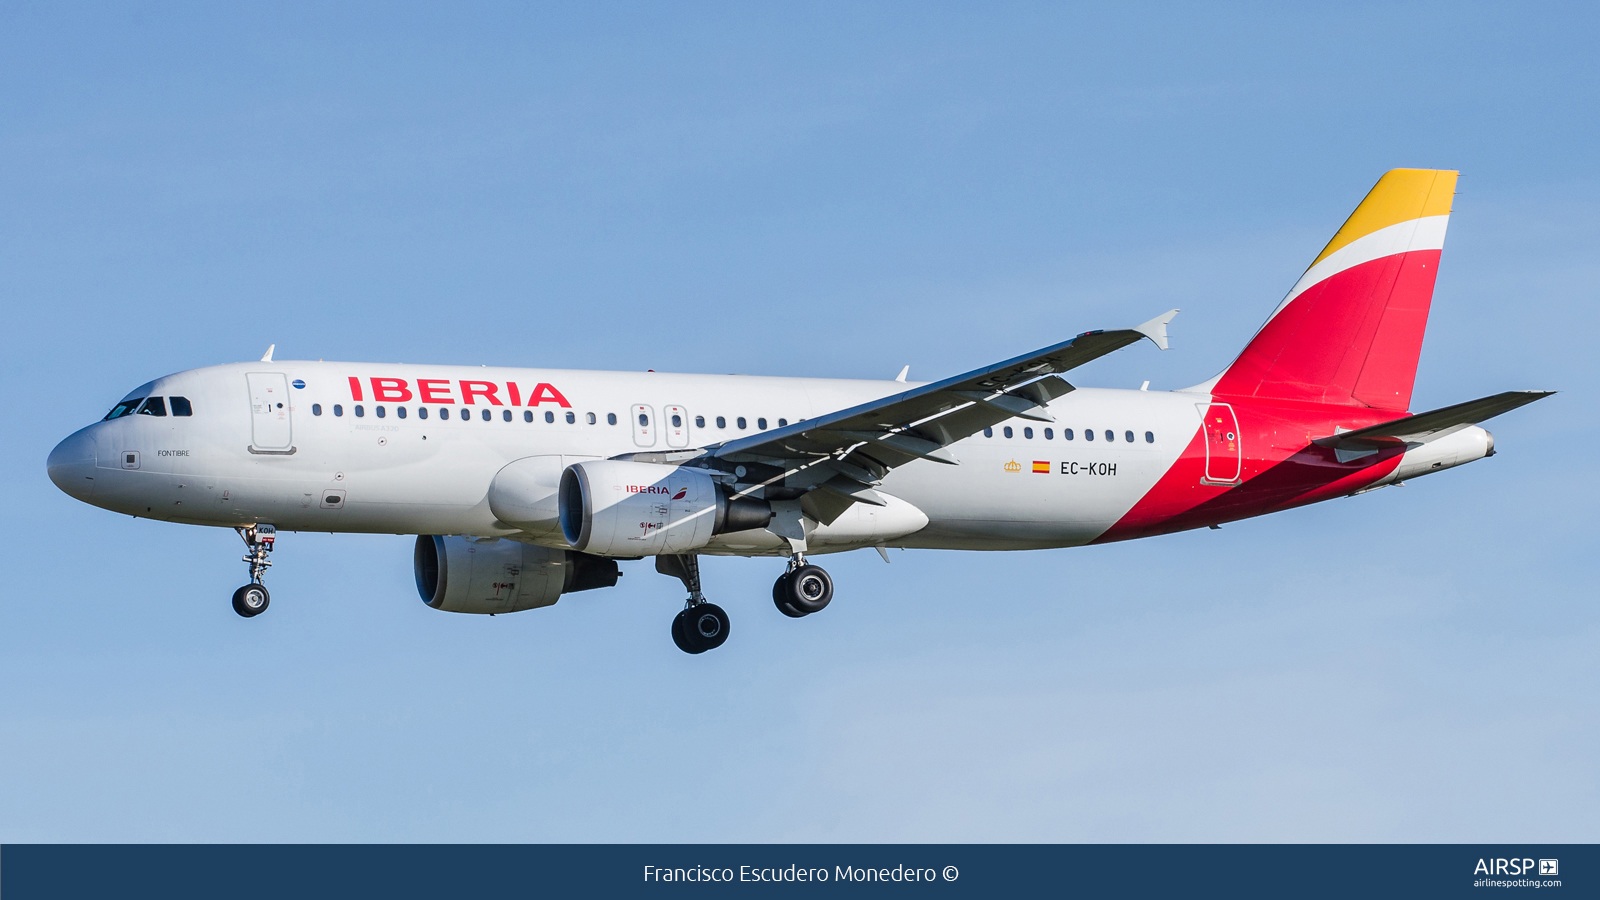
302 466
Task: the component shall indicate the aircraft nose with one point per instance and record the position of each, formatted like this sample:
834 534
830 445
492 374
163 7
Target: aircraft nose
71 465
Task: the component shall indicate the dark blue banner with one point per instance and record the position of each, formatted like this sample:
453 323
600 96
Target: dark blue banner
923 870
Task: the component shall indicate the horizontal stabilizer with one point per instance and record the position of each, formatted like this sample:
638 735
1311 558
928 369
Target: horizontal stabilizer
1430 426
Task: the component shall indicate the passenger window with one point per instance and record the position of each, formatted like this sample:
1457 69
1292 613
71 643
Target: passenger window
1111 435
1049 434
549 417
644 420
338 410
611 418
527 415
722 422
487 415
1066 434
739 422
400 411
988 432
181 407
1127 436
1149 437
316 409
155 406
783 423
699 421
466 414
1006 431
761 424
589 417
505 415
677 421
359 411
422 412
1088 434
572 418
1027 433
381 413
124 408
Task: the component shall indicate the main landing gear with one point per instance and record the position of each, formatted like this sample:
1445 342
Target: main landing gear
252 599
702 625
802 589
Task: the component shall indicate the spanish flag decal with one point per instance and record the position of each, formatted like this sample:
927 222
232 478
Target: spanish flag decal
1041 467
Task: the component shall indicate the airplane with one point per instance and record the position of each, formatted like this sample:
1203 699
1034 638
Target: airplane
526 484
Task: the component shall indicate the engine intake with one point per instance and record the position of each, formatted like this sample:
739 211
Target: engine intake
620 508
467 575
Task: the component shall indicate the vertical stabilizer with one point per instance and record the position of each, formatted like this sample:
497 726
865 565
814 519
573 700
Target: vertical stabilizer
1351 329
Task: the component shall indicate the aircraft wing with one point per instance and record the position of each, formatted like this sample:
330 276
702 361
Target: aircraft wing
1430 426
846 452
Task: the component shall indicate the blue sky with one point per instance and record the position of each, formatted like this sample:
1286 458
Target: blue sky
814 190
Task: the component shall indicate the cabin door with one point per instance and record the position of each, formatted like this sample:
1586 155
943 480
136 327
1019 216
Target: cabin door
1224 450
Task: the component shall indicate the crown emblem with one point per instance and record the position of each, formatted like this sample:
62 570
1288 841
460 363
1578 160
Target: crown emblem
1013 466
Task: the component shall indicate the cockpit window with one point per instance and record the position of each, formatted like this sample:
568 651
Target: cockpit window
155 406
181 406
125 408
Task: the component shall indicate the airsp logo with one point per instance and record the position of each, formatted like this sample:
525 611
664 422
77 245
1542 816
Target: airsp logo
1515 867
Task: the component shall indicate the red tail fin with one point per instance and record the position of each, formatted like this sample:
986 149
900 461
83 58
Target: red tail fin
1351 329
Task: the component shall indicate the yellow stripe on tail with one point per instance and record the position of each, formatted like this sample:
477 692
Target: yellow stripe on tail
1399 196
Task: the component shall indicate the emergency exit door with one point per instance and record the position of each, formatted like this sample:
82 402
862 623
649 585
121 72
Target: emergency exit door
644 425
675 422
269 411
1224 449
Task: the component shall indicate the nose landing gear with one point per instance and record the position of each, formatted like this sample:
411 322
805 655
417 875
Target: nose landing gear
702 625
252 599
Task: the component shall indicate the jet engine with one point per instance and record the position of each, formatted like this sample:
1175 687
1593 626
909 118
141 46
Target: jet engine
490 575
618 508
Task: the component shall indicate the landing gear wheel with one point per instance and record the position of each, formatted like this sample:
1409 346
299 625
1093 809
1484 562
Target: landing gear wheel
699 628
808 589
251 600
680 636
780 597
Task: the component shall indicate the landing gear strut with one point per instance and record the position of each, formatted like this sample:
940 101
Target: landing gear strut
252 599
802 589
702 625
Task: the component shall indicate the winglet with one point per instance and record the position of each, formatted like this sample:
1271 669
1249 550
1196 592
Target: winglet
1156 329
267 357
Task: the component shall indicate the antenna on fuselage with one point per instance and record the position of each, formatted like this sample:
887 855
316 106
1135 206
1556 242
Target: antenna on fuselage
267 357
903 373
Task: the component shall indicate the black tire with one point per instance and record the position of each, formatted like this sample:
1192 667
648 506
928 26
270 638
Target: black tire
780 598
680 634
809 589
251 600
706 626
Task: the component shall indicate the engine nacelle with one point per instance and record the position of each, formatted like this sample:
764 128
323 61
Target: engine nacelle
619 508
490 575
